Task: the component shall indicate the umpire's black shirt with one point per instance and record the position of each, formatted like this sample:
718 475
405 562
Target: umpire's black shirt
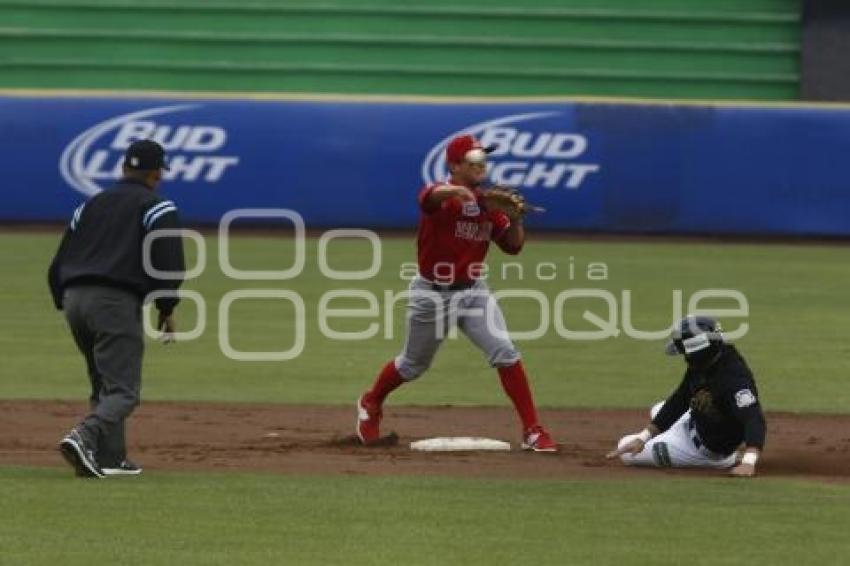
103 244
724 404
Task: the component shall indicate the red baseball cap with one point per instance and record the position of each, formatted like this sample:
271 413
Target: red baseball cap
460 146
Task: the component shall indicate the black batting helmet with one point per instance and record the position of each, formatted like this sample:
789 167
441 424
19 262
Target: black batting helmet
694 334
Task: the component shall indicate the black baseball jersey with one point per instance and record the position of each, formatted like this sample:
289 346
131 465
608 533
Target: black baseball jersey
724 404
103 244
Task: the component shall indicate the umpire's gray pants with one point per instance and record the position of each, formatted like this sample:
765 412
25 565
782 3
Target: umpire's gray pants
432 316
107 327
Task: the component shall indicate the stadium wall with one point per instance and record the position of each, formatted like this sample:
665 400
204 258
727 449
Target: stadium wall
825 45
595 165
725 49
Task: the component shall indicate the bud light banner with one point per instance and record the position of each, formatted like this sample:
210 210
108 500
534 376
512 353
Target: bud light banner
631 168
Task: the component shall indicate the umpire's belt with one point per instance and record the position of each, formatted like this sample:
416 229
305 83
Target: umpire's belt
460 286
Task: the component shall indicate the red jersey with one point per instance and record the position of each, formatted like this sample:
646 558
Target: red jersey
454 236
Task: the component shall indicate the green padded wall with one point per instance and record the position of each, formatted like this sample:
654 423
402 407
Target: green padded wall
724 49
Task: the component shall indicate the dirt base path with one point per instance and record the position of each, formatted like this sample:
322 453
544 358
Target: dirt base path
301 439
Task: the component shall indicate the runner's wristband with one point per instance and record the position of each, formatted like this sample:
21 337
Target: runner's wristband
750 458
645 435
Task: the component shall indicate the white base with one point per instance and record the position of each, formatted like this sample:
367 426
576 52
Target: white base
459 444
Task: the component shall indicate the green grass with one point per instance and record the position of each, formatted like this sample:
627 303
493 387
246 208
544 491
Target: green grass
210 519
796 345
797 341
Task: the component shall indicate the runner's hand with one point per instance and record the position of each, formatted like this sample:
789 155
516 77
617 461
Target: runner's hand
635 446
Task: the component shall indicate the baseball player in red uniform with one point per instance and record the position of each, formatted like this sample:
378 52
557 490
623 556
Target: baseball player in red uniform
455 231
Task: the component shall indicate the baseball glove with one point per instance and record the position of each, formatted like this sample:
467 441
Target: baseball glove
508 200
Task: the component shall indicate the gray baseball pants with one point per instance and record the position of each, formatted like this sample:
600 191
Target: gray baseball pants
107 326
431 316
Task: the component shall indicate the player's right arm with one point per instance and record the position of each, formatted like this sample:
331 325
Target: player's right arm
166 254
433 197
673 408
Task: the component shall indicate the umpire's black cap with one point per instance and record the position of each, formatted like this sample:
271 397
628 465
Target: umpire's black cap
145 155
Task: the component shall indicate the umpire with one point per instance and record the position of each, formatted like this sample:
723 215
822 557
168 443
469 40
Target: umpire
99 278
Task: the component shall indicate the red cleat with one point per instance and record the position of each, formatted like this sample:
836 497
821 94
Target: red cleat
537 439
368 420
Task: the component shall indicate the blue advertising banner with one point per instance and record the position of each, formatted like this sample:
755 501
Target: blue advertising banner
648 168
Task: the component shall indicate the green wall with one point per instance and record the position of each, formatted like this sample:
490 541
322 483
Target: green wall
741 49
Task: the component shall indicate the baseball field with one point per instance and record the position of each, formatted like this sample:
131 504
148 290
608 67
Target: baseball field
252 462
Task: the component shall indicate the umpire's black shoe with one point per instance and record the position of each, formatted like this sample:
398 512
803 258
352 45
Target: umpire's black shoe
79 455
125 468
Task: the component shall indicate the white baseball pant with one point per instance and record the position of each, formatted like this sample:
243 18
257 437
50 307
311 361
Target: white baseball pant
677 447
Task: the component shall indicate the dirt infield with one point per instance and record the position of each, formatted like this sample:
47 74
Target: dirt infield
301 439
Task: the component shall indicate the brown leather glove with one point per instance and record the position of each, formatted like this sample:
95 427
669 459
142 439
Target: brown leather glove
506 199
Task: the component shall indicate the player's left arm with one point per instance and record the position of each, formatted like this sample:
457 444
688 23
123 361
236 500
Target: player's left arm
747 409
53 272
508 234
